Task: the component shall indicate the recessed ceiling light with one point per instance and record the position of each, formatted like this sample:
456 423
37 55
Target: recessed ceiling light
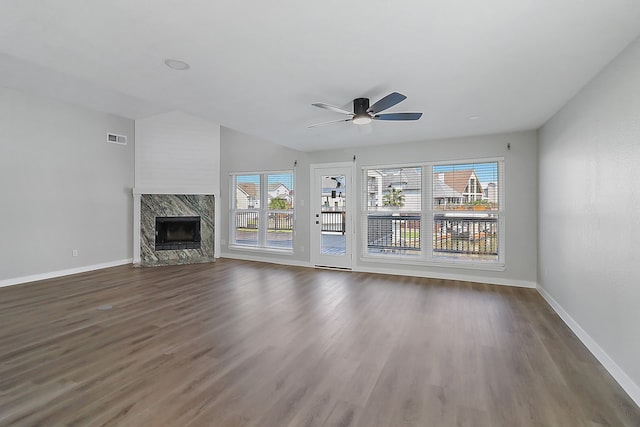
473 117
176 64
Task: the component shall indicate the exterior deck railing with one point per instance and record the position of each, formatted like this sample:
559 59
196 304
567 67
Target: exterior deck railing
465 235
277 221
393 232
469 235
334 221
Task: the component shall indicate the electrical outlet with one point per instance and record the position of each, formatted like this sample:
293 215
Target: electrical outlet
74 252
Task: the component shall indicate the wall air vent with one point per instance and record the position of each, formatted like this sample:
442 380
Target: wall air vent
116 139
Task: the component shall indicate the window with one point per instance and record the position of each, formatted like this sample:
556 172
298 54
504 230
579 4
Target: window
393 214
466 210
263 210
435 212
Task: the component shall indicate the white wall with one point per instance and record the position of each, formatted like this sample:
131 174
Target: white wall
176 153
520 198
589 218
62 187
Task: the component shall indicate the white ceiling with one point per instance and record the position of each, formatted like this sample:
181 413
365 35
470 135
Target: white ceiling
257 66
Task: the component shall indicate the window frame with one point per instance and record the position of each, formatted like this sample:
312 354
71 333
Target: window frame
426 256
263 212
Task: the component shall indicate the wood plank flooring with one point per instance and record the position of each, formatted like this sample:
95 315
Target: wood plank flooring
240 343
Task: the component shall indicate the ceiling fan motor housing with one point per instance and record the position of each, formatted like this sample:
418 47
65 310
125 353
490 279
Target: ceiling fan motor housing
360 106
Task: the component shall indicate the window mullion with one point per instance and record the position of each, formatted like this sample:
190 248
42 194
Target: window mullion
427 213
263 220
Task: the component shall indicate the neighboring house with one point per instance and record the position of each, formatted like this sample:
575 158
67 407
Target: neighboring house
463 182
380 182
247 195
449 188
443 195
491 193
281 191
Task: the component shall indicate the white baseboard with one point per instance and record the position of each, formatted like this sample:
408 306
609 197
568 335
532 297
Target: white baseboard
392 271
60 273
249 257
609 364
448 276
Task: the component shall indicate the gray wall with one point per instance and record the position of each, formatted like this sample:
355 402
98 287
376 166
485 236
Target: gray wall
520 198
241 153
62 187
589 217
244 153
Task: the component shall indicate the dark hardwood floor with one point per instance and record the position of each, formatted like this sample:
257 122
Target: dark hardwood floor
240 343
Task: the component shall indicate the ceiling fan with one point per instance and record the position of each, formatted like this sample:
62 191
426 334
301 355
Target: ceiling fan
363 113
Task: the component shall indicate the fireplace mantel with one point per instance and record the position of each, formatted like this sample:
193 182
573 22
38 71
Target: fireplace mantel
138 191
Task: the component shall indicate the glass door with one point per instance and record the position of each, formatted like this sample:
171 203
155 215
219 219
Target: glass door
331 216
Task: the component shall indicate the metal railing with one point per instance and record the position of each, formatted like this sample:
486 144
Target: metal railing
334 221
277 221
248 219
393 232
465 235
280 221
456 235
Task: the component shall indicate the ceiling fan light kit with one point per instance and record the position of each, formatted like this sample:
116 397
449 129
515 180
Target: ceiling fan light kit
363 113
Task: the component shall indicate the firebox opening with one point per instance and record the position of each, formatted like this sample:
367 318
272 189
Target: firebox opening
177 232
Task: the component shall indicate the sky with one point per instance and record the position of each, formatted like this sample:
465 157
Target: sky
277 178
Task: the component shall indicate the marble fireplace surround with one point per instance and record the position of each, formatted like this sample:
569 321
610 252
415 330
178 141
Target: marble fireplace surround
148 206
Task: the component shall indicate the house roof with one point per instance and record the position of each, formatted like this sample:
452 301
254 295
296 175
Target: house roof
273 187
249 188
457 180
442 190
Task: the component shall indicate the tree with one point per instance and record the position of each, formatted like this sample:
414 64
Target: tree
278 203
394 198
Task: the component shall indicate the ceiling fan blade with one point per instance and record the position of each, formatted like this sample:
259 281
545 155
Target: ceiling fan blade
331 108
397 116
328 123
386 102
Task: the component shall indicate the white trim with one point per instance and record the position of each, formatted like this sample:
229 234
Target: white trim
632 389
448 276
280 261
60 273
209 191
419 260
262 249
137 226
424 274
426 257
466 160
317 258
263 210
